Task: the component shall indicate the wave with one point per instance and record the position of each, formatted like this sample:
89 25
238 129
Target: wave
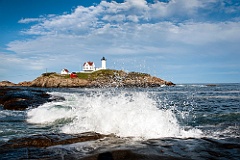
191 85
11 116
119 112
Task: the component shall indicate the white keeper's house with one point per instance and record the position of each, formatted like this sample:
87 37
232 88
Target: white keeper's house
90 66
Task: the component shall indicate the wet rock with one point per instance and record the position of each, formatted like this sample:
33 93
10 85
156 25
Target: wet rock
169 83
227 143
52 140
21 98
16 104
35 147
68 147
28 153
129 155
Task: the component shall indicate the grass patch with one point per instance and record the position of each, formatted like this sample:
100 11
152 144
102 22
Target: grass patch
100 74
83 75
49 74
137 74
97 74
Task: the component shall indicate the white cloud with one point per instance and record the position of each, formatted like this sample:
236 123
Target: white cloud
137 3
176 8
130 38
30 20
205 33
84 20
131 28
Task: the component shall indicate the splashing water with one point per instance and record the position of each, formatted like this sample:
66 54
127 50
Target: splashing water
124 113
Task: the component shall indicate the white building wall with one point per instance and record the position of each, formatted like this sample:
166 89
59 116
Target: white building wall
104 64
64 72
87 67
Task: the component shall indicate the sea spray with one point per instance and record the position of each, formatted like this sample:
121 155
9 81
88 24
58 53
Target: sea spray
121 112
213 110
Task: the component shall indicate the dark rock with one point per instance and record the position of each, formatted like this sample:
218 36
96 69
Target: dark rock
169 83
39 147
129 155
16 104
51 140
211 85
22 98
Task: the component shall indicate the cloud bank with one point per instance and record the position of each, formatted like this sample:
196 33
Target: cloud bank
163 32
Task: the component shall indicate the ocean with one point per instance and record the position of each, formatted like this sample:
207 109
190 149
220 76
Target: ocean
187 121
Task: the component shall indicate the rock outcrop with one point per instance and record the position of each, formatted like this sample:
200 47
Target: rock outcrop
52 140
101 78
6 83
13 98
123 79
97 146
35 146
55 80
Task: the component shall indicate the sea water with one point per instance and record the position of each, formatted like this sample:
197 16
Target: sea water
182 111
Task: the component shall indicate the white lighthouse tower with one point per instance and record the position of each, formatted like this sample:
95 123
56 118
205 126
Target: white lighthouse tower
104 63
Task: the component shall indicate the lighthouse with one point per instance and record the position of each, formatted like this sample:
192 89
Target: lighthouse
104 63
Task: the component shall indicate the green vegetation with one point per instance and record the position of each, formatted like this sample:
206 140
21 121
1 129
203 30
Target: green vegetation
109 73
101 74
83 75
137 74
98 74
54 74
49 73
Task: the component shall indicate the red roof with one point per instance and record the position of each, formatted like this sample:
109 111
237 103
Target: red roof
89 63
65 70
73 75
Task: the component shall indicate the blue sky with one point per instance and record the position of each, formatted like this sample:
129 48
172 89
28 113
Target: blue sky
183 41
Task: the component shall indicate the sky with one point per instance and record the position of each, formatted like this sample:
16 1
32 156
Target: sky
183 41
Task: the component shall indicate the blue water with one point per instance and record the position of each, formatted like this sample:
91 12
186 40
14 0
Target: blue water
182 111
216 109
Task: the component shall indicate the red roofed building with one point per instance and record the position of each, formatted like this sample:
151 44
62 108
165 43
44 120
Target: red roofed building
73 75
89 67
64 71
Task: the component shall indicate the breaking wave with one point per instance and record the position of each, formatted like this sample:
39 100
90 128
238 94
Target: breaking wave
120 112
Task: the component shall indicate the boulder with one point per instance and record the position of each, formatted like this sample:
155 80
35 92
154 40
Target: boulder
51 140
6 83
24 84
21 98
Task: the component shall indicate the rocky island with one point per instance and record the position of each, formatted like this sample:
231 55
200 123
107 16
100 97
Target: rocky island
32 94
100 78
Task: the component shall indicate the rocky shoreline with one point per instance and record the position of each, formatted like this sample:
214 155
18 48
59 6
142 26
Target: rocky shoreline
102 78
65 146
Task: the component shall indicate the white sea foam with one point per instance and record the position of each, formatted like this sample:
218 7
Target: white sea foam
49 113
126 114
